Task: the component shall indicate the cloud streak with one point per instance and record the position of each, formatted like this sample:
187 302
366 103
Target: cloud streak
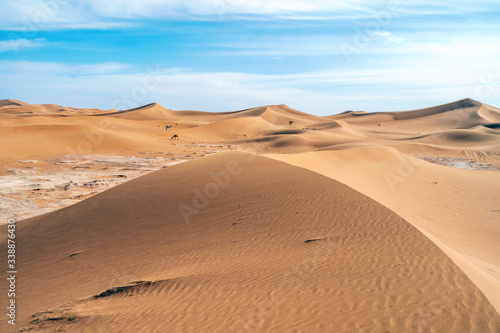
20 43
98 14
401 87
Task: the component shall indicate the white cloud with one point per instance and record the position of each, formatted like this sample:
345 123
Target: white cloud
29 17
280 46
284 8
101 68
114 85
98 14
159 8
20 43
390 37
35 15
62 69
471 48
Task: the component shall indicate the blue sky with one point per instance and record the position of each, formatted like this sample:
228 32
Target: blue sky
318 56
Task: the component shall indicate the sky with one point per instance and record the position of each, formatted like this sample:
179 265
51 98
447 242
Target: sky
318 56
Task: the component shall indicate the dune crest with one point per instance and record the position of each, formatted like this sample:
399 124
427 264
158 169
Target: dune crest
11 102
461 104
151 111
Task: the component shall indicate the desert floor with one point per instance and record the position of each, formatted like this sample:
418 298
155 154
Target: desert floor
260 220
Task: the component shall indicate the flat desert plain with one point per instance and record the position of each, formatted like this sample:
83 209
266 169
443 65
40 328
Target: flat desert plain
276 221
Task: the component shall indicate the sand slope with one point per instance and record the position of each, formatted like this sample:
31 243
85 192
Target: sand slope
339 227
278 248
146 112
455 206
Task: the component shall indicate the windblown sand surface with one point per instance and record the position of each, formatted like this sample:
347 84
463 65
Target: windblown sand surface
357 222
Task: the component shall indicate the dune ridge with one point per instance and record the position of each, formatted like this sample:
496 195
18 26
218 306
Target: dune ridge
461 104
11 102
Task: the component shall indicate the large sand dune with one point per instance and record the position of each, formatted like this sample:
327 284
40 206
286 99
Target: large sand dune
300 252
369 222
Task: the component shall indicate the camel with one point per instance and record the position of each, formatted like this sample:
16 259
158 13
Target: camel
168 126
175 137
290 122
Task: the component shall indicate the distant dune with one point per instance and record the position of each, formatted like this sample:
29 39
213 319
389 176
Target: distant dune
11 102
376 222
462 104
151 111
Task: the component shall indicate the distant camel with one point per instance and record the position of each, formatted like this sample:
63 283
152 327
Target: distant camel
290 122
175 137
168 126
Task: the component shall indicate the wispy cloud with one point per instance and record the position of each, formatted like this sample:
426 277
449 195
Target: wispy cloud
172 8
98 14
20 43
62 69
401 52
282 8
119 86
290 45
29 17
390 37
436 44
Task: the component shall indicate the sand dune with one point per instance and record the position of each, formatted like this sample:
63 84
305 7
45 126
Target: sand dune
489 113
11 102
462 104
462 138
228 129
328 258
151 111
462 114
430 196
380 222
